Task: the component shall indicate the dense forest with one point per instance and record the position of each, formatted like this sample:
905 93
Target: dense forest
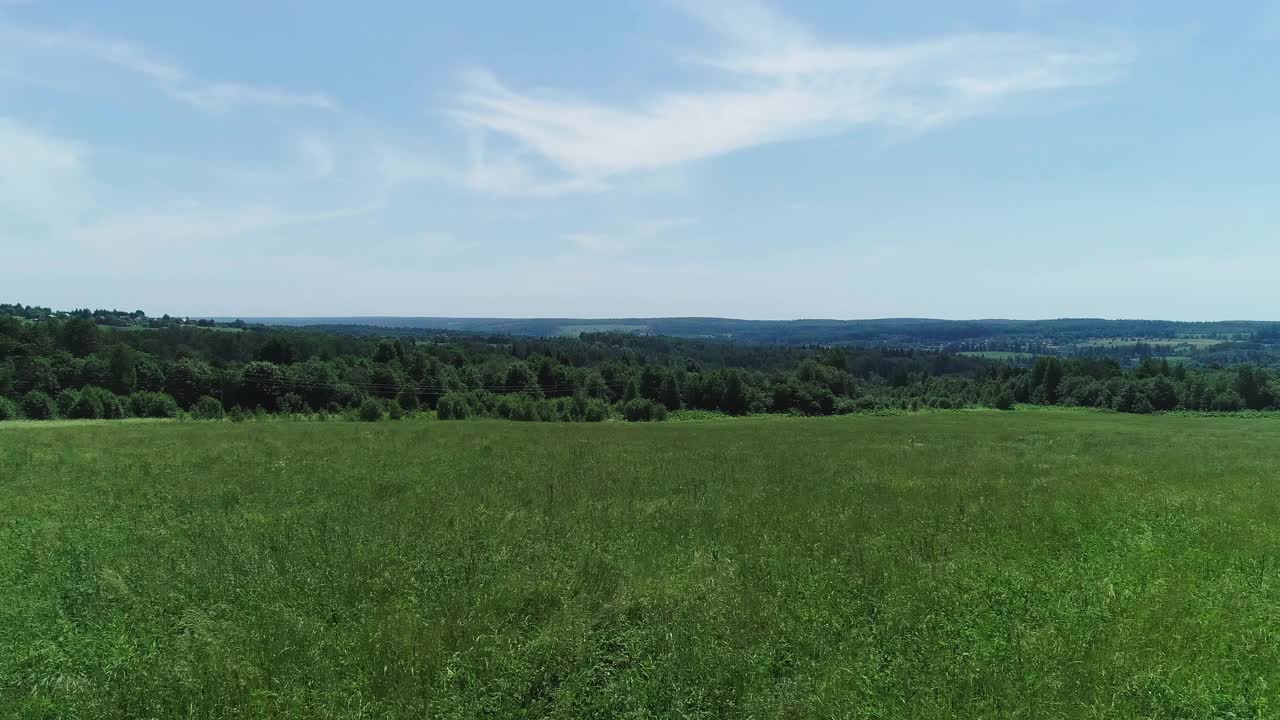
86 364
916 332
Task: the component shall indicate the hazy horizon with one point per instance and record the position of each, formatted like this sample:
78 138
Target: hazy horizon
224 316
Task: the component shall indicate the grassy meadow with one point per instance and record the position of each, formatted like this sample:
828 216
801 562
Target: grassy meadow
999 355
1036 563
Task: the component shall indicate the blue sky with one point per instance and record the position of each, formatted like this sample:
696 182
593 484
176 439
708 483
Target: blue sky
997 158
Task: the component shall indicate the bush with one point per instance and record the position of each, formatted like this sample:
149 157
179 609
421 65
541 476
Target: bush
394 411
154 405
114 407
37 405
370 410
1227 402
207 408
1003 401
87 406
521 408
66 402
408 400
346 395
8 409
453 406
641 410
239 414
858 405
291 403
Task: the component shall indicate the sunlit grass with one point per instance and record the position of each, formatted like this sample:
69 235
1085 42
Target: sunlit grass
970 564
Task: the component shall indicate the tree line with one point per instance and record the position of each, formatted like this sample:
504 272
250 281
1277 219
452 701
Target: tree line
74 366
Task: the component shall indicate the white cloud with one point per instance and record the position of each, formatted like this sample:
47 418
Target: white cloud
657 226
28 45
778 82
596 244
316 155
220 97
190 227
42 177
438 244
618 243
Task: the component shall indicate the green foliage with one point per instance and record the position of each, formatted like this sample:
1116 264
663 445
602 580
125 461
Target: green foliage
80 336
92 403
641 410
556 379
595 411
408 400
67 401
1004 400
154 405
124 375
188 380
291 403
8 409
453 406
37 405
260 383
148 373
207 408
370 410
394 411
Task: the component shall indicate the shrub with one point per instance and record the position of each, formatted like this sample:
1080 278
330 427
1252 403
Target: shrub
394 411
66 402
641 410
1003 401
8 409
345 395
37 405
518 407
291 403
207 408
114 407
596 411
87 406
154 405
453 406
408 400
1227 402
239 414
370 410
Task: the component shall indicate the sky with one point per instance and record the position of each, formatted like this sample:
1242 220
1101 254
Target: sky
638 158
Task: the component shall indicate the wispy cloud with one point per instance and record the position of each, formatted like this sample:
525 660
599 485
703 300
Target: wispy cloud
315 154
165 76
596 243
170 228
777 82
42 176
644 232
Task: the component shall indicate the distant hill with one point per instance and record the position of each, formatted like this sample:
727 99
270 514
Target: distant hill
906 331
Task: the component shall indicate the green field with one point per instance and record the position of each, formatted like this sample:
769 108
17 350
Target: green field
1193 343
1035 563
999 355
576 330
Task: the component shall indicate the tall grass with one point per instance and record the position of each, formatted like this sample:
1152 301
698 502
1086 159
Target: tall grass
980 564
